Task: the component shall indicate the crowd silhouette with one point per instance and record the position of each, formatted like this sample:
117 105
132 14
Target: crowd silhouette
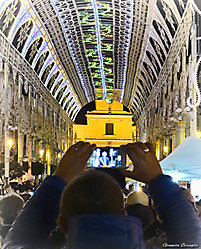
83 208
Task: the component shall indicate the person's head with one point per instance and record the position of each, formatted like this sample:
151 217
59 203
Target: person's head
104 154
137 204
10 206
136 197
92 192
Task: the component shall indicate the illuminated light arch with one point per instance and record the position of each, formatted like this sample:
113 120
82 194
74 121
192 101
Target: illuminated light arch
58 80
33 50
60 93
71 103
168 16
142 91
197 6
72 106
22 35
72 27
25 34
8 16
150 72
158 50
65 99
144 86
196 85
68 104
52 80
75 114
72 112
146 81
138 102
47 72
56 87
153 61
161 32
22 18
40 62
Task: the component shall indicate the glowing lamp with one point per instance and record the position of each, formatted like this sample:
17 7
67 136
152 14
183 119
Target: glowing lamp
10 143
41 152
59 155
165 149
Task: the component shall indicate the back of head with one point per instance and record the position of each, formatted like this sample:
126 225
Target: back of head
92 192
137 204
137 198
10 206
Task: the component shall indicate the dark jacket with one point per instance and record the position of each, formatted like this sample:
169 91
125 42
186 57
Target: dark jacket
33 226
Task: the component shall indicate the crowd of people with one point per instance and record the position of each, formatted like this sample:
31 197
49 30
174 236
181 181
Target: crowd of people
79 208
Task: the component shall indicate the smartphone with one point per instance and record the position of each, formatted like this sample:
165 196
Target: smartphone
107 157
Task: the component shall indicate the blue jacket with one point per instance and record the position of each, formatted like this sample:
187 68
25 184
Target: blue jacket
33 226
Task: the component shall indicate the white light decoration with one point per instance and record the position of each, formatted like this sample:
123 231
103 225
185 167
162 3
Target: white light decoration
98 37
10 144
165 149
59 155
195 83
197 6
124 66
73 54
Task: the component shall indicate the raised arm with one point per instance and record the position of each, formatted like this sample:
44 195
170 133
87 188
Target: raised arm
38 218
179 218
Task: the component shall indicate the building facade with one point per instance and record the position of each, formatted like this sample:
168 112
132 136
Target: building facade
108 125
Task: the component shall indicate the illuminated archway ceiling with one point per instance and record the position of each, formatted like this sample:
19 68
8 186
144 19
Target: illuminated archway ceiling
104 48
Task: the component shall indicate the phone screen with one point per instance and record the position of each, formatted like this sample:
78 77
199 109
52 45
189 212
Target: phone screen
107 157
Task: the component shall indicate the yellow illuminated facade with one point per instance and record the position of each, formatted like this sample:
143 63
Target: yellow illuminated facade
108 125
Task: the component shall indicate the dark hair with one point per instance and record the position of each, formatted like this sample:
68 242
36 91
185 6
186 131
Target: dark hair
92 192
144 213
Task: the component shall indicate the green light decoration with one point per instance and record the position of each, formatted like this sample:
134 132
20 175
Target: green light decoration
110 87
110 80
108 71
106 12
110 94
90 38
86 16
107 9
108 47
94 64
96 74
91 53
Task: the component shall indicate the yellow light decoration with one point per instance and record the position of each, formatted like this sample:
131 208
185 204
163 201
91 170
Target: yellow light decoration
59 156
198 134
41 152
165 149
10 143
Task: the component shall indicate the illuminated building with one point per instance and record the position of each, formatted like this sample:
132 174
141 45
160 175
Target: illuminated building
108 125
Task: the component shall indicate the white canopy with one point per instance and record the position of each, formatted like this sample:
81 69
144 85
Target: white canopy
185 159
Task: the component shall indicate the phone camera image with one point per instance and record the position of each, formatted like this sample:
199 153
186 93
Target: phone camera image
107 157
